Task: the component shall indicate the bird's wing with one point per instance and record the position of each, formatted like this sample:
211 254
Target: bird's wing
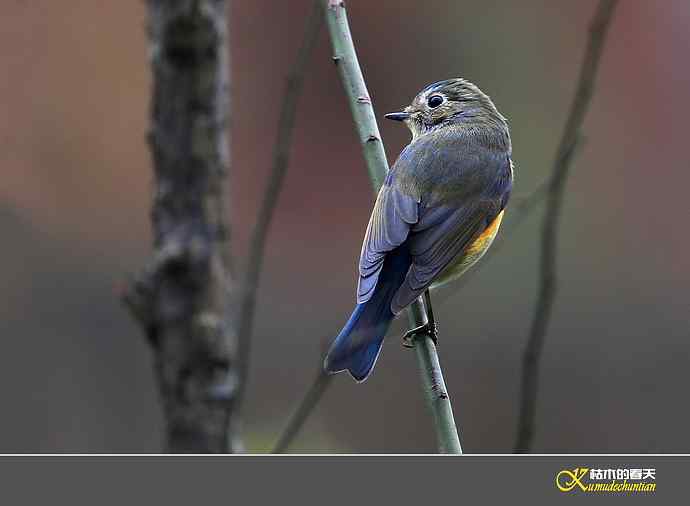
393 215
436 200
443 233
463 188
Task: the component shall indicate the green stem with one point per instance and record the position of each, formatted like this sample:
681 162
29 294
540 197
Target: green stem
434 385
345 58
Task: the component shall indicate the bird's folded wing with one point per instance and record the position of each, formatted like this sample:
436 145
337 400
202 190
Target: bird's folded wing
393 215
442 233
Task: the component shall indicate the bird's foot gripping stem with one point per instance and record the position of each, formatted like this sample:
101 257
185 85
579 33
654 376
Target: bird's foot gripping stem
428 329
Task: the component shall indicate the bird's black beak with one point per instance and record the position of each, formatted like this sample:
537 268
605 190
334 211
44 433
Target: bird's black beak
397 116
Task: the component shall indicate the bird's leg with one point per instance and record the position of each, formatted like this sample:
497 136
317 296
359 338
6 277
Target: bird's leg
431 321
428 329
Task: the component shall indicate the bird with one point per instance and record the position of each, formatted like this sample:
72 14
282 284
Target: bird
437 212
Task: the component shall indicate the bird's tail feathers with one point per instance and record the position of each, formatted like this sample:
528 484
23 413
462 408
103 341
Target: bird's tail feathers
359 343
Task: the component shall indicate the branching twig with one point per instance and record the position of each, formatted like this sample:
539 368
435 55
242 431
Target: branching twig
554 204
281 153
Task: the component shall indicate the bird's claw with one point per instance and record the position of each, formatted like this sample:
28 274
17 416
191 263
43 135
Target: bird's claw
428 329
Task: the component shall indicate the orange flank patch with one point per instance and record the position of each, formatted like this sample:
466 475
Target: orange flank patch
480 244
472 253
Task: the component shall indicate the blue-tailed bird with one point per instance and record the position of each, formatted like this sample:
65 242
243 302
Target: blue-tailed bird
436 214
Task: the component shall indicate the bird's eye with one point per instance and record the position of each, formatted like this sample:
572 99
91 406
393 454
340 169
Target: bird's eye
434 101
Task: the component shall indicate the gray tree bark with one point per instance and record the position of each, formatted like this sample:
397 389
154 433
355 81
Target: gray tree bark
181 297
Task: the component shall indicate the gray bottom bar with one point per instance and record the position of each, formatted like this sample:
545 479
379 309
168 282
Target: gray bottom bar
354 480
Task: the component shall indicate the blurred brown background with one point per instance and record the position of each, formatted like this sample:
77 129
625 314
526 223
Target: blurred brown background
75 372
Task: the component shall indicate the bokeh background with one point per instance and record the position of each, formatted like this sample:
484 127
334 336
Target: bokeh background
75 371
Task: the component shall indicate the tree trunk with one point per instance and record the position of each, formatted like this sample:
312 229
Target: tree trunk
181 297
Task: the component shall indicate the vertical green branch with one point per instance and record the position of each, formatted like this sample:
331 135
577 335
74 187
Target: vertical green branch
433 383
345 58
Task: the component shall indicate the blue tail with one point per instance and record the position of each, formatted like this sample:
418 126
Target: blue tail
359 343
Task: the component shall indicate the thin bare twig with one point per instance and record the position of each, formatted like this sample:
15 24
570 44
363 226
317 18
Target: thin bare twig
281 154
318 386
554 205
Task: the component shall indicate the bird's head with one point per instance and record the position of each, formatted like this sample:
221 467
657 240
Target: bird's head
453 102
